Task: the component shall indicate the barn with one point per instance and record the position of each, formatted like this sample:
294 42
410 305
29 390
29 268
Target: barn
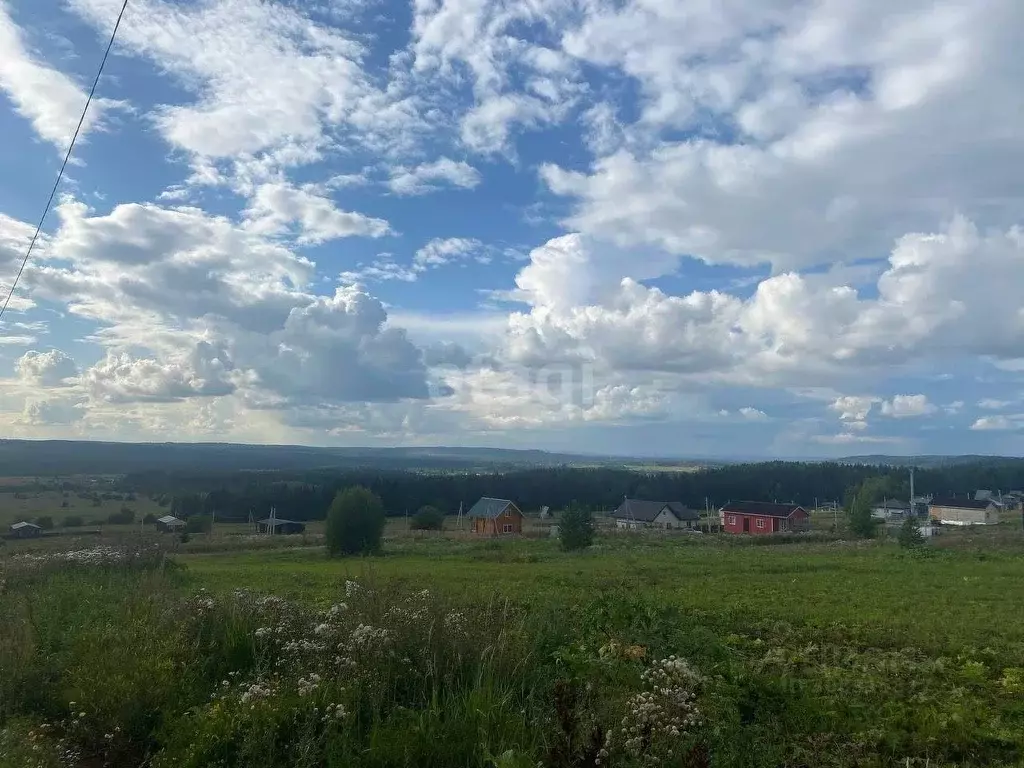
762 517
496 517
950 511
636 513
25 530
278 525
169 524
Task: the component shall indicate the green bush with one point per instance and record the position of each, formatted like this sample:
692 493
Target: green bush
149 518
45 522
125 516
355 522
199 524
73 521
575 529
428 518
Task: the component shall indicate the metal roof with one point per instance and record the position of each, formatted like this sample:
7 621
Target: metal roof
761 508
647 511
278 521
170 520
892 504
24 524
491 508
962 503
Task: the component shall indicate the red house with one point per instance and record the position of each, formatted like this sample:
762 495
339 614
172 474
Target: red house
762 517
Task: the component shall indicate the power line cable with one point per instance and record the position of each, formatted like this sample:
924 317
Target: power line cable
67 157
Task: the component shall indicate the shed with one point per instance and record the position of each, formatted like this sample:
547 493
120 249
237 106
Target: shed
496 516
950 511
169 524
763 517
26 530
278 525
637 513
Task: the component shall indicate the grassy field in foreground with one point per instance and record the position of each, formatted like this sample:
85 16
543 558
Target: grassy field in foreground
643 651
872 593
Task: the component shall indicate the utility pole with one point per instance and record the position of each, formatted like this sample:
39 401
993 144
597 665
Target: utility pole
913 509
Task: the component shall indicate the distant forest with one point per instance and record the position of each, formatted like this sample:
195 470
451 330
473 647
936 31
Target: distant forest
306 495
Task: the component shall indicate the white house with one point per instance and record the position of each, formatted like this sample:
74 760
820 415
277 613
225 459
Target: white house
635 513
890 509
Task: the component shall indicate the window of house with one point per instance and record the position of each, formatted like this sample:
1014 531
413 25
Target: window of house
507 528
760 523
732 519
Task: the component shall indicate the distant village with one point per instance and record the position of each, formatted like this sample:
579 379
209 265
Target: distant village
502 517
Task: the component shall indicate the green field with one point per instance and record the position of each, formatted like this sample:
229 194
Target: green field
798 654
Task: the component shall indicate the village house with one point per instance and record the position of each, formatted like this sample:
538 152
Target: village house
169 524
762 517
890 509
636 513
950 511
994 497
279 525
25 530
495 517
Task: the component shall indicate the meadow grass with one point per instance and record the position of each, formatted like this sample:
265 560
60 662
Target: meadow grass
645 650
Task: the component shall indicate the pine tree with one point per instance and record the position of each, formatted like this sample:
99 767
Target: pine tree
910 536
861 522
575 529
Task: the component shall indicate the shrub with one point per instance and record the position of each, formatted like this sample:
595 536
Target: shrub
428 518
576 529
125 516
64 504
45 522
149 518
355 522
910 536
73 521
199 524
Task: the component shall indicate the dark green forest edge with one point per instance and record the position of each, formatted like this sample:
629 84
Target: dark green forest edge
306 495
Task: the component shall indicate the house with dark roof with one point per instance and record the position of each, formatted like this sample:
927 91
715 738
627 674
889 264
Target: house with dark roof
25 530
889 509
763 517
633 514
169 524
278 525
495 517
953 511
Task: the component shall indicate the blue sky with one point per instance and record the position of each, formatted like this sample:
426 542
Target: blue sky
659 228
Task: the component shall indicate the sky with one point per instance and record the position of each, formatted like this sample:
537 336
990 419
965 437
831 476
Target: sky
773 228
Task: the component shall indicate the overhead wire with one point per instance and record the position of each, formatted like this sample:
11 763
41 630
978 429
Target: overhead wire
67 157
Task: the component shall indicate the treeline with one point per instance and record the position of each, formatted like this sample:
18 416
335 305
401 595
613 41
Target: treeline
307 495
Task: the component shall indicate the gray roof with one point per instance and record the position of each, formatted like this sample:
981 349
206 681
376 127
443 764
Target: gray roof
278 521
647 511
982 495
892 504
491 508
170 520
24 524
